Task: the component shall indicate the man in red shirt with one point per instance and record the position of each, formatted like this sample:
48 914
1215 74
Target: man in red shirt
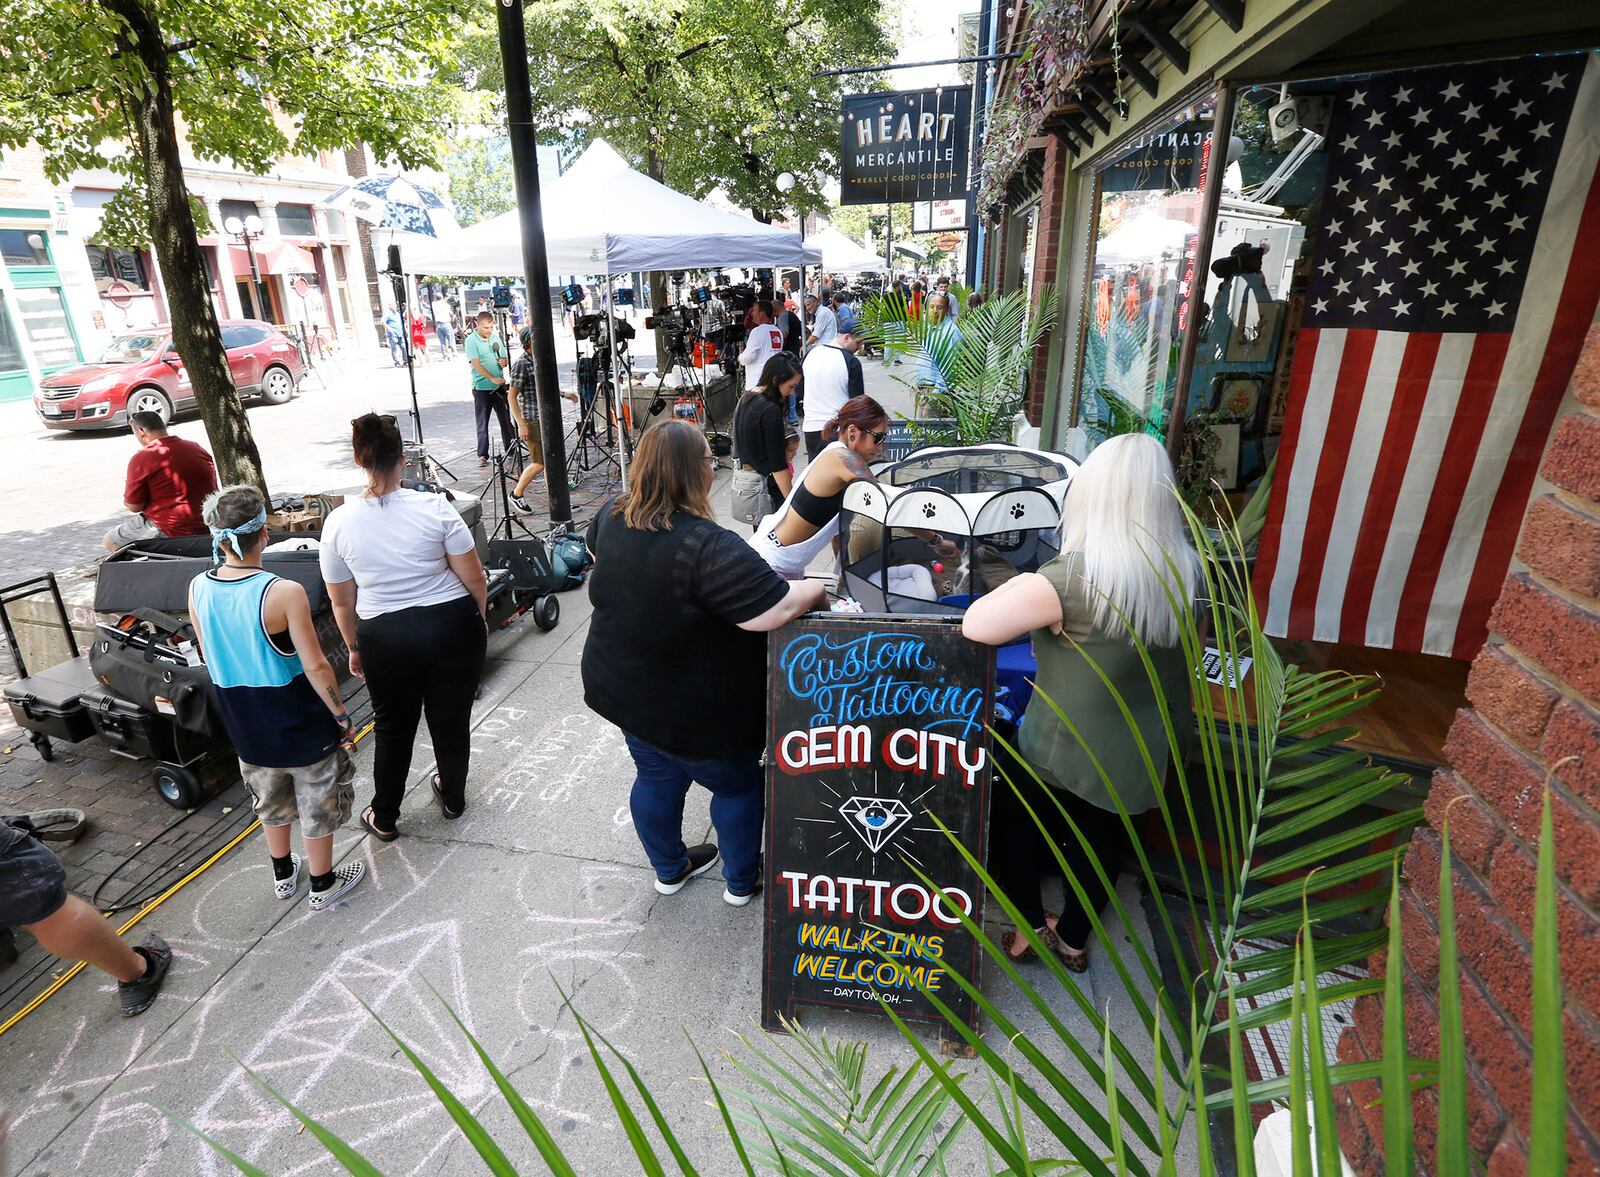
168 479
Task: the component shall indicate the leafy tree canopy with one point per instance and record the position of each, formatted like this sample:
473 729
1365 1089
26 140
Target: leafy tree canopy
481 183
702 95
252 81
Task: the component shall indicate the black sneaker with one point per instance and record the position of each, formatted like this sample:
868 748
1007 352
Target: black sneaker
741 898
520 504
701 859
135 997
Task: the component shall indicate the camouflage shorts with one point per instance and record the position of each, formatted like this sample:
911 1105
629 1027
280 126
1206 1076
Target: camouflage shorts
319 794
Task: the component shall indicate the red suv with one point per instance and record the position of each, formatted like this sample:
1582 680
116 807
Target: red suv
139 372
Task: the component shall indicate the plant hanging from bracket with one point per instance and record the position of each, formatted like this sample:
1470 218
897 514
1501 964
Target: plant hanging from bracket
1054 55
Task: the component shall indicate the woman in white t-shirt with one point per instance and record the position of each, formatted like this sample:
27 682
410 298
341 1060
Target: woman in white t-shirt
410 596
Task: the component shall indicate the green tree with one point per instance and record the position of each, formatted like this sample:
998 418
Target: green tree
702 95
480 179
105 85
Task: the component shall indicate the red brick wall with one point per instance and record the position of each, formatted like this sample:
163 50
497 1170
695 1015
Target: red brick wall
1052 208
1534 707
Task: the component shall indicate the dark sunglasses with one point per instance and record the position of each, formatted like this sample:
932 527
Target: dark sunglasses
877 435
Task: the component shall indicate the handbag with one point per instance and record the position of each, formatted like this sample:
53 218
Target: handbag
748 497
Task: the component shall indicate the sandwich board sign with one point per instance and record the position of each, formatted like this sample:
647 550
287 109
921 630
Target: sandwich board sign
876 725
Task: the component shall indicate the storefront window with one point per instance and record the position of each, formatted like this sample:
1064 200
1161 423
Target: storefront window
295 220
1147 218
44 320
10 343
335 222
24 247
237 208
117 265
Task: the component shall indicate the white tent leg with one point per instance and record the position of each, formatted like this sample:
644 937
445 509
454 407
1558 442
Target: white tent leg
617 391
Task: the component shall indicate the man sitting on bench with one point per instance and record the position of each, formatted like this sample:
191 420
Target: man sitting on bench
168 479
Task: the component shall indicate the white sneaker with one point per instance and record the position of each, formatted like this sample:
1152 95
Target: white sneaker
286 888
740 898
344 878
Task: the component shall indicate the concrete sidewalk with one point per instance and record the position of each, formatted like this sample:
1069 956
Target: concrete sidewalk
541 886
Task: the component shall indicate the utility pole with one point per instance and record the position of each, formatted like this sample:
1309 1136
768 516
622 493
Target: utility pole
535 265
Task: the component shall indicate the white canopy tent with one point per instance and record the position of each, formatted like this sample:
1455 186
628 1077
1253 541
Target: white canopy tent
603 217
840 255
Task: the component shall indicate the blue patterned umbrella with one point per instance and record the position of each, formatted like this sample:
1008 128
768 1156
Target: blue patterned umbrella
394 202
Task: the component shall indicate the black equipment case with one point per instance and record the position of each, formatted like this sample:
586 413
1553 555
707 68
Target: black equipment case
143 659
50 703
155 573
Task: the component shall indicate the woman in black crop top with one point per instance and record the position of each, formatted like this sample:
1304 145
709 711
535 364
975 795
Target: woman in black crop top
788 539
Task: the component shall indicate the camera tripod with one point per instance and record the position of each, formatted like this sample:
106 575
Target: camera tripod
592 442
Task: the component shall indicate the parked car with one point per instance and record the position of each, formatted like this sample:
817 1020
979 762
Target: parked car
140 372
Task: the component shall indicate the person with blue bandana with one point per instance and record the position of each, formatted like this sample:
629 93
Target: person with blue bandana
278 697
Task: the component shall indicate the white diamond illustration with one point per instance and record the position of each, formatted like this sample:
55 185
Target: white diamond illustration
875 819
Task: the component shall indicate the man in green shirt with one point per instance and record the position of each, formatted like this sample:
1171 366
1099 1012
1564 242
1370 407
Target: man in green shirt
486 355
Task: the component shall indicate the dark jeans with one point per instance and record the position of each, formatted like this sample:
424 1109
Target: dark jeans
738 800
1020 857
424 660
814 443
495 400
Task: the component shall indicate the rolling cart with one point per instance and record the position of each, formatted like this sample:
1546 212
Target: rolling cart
67 702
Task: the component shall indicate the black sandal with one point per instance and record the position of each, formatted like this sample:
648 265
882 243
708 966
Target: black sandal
366 821
443 808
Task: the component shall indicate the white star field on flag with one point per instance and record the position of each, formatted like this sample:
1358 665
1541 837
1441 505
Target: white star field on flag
1433 198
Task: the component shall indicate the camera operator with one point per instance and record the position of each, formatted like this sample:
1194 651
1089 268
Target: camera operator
763 342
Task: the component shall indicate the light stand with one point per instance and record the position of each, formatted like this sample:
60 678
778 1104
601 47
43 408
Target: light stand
430 469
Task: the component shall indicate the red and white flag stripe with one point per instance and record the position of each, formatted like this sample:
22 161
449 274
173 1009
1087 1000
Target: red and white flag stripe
1408 458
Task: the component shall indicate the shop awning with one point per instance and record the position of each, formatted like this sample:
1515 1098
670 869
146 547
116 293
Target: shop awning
280 257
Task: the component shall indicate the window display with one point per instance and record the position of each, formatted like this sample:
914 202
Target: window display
1147 210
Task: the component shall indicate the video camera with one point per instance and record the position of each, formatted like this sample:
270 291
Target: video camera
672 319
592 328
500 296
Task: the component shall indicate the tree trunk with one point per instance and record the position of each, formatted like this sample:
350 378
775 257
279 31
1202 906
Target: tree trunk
195 334
355 162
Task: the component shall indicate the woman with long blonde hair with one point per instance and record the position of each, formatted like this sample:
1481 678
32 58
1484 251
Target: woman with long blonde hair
1126 561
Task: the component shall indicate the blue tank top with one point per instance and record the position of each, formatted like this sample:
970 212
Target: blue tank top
272 712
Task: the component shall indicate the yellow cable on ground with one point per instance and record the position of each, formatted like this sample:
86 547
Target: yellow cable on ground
41 998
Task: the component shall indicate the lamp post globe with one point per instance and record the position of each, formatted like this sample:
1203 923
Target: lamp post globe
253 224
785 182
233 226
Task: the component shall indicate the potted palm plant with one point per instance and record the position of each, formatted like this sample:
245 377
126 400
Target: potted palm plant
969 372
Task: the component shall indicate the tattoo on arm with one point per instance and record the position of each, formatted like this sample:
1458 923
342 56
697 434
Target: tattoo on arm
857 468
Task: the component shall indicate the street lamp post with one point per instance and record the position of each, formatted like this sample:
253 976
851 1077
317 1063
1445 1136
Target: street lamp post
785 184
248 231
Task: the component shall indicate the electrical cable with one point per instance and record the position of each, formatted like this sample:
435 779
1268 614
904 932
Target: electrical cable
55 986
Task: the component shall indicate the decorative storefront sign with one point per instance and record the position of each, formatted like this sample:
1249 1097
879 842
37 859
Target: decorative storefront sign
876 725
905 146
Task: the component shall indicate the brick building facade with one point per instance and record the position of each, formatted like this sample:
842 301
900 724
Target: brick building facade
1534 716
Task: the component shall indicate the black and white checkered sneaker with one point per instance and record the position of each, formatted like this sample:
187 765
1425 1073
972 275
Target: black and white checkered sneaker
286 888
344 878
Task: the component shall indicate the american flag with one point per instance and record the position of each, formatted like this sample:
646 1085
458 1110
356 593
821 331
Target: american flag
1455 272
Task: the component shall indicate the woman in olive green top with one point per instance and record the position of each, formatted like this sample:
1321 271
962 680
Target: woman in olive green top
1125 554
